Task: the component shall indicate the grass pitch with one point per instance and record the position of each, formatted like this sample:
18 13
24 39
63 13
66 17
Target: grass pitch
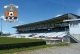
7 40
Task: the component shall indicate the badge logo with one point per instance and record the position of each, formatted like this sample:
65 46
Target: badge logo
11 13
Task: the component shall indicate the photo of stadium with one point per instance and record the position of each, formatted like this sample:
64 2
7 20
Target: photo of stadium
39 27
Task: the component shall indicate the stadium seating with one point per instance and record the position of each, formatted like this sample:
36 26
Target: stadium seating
20 35
58 34
40 35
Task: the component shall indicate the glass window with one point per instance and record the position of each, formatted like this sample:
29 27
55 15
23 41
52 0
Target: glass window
74 24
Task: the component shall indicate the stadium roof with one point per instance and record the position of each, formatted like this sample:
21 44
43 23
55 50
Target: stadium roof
68 15
71 20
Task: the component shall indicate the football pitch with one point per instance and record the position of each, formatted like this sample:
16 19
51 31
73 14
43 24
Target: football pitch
7 40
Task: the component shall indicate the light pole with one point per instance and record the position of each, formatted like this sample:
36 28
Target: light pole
1 24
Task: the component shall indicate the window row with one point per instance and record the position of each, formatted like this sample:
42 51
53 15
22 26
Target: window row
44 26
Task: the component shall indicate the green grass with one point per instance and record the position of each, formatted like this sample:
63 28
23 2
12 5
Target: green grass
6 40
30 48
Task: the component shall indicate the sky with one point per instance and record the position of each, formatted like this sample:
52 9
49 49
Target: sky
30 11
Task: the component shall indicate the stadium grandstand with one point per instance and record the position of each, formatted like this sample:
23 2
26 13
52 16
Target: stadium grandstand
51 29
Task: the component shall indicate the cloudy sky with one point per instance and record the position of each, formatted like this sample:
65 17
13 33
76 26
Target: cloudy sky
36 10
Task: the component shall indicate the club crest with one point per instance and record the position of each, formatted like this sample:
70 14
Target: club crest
11 13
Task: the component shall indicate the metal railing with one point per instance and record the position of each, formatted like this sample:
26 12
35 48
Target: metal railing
72 37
